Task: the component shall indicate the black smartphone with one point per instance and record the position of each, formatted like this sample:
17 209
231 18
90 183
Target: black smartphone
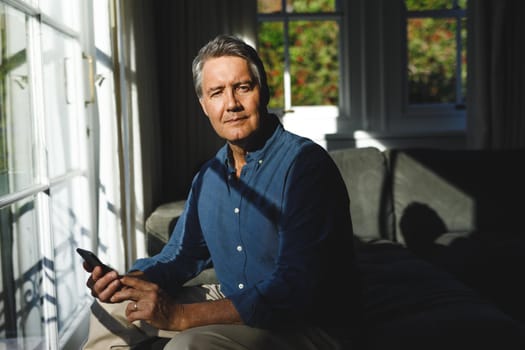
92 259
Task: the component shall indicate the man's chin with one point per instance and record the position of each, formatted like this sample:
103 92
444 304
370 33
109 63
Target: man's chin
237 141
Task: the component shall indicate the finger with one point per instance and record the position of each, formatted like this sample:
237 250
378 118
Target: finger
106 286
137 283
139 310
98 273
87 267
102 280
90 282
127 293
132 307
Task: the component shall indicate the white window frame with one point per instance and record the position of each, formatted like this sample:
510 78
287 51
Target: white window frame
40 191
376 61
443 109
372 88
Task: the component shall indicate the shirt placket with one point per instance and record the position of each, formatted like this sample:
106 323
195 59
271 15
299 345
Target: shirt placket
238 246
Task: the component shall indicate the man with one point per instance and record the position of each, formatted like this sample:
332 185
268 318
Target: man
270 211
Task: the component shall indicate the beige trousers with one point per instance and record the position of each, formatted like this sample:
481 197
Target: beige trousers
109 329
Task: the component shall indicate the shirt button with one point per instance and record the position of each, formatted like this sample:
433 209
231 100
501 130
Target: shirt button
236 210
241 286
260 161
239 248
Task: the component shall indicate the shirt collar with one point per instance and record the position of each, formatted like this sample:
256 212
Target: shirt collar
276 128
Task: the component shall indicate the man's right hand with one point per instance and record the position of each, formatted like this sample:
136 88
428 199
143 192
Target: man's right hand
102 285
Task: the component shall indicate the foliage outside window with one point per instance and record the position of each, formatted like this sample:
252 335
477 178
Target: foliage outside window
298 41
436 51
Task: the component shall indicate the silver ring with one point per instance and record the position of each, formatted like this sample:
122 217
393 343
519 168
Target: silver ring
135 307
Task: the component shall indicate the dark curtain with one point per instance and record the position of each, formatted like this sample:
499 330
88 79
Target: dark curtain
186 136
496 74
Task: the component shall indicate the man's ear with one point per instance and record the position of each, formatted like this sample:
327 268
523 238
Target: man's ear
203 107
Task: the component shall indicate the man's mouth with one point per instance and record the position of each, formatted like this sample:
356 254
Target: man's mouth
236 119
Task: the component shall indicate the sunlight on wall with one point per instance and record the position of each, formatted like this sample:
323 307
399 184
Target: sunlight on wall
247 39
110 211
137 198
364 139
313 122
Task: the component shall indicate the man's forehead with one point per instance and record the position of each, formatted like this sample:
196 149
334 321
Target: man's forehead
226 68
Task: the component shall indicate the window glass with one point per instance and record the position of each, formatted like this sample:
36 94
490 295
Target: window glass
21 277
314 62
62 100
432 60
311 6
463 59
299 6
271 50
71 229
436 52
300 52
422 5
270 6
16 141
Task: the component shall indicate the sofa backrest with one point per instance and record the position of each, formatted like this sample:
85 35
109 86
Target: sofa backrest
364 171
456 191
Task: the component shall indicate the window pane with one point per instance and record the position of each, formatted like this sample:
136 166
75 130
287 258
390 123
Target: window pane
270 6
21 275
431 60
71 229
16 145
297 6
304 6
421 5
314 62
463 59
64 124
271 50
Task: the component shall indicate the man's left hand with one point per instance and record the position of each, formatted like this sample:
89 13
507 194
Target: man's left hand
149 303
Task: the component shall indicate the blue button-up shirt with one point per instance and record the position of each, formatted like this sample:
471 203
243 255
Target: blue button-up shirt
276 236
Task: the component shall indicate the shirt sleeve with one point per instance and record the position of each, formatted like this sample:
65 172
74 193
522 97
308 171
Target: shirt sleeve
314 227
184 255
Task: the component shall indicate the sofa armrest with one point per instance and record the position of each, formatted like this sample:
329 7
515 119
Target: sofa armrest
160 224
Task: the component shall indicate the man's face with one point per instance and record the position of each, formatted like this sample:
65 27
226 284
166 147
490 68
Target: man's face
230 97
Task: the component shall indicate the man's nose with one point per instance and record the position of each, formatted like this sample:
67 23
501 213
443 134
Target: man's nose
232 102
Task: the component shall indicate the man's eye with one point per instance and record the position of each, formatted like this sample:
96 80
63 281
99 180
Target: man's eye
244 88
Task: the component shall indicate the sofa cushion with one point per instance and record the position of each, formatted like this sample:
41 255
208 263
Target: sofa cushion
409 303
160 223
364 172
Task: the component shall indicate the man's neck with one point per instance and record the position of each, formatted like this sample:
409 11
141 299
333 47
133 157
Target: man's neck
239 150
238 158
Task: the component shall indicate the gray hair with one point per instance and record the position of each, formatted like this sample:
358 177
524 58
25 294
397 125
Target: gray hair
227 45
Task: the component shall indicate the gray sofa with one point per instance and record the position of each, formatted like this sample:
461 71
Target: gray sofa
440 243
